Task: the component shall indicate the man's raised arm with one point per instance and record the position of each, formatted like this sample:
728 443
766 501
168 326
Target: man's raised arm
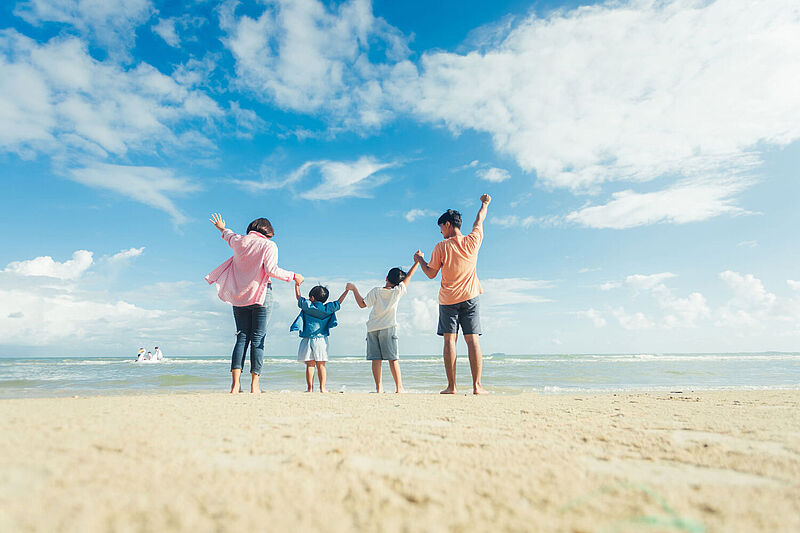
485 201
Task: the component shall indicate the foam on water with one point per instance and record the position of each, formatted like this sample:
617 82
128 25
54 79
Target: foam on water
503 374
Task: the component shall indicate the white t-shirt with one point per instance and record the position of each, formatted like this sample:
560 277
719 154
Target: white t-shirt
158 355
384 306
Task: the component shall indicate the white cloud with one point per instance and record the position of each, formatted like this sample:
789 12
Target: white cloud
112 23
643 282
149 185
493 174
336 179
414 214
687 201
513 291
45 266
55 97
166 30
632 321
637 90
748 244
308 57
595 316
246 122
678 312
513 221
124 255
751 306
75 319
794 285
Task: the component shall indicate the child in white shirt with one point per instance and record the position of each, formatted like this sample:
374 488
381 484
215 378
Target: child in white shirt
382 323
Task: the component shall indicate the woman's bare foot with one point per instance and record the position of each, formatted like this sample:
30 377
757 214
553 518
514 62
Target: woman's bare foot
479 390
448 390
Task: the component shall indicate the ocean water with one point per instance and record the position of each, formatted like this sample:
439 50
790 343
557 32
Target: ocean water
505 374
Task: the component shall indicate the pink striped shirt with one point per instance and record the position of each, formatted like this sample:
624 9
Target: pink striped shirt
242 280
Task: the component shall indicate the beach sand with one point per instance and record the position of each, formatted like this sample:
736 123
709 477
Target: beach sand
706 461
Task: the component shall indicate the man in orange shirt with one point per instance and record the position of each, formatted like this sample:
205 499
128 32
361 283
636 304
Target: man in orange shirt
457 257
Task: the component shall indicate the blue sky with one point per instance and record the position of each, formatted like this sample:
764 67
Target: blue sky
642 157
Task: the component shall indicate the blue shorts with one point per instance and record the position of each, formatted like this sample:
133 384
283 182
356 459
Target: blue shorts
464 314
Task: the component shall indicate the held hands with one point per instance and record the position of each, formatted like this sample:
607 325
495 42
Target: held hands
486 199
350 287
298 279
419 256
216 219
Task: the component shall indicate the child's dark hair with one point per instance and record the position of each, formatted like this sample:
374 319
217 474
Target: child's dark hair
319 293
262 226
396 276
452 216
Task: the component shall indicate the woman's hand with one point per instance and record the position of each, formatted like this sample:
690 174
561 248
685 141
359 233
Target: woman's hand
216 219
298 279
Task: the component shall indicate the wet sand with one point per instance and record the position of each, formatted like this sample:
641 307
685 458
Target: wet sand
706 461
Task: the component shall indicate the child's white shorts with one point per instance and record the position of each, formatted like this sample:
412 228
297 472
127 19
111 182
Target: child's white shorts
313 349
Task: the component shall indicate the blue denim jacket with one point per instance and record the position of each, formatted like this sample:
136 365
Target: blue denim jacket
315 318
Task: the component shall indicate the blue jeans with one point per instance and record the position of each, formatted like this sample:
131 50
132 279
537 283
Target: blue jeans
251 328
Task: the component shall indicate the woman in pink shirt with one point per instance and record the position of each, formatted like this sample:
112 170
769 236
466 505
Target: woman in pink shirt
244 282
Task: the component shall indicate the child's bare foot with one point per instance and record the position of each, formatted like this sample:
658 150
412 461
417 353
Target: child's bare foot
479 390
448 390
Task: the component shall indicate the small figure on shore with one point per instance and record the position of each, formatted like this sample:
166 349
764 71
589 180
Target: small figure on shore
459 306
148 356
314 322
140 354
158 356
382 342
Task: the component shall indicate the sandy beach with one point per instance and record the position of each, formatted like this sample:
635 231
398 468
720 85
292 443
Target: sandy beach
708 461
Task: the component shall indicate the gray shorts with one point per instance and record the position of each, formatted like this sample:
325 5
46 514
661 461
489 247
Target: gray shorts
465 314
382 345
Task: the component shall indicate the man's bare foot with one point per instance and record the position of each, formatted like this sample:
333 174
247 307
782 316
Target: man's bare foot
448 390
236 388
479 390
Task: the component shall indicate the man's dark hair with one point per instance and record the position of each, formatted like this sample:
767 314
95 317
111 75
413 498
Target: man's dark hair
319 293
452 216
262 226
396 276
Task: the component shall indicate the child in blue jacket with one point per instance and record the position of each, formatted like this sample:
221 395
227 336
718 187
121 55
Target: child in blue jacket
314 322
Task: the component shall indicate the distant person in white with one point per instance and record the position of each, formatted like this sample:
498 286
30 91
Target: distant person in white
140 355
148 356
158 356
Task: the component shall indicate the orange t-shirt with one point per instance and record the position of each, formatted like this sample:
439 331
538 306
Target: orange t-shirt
458 257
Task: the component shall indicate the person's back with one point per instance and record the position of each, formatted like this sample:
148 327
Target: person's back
383 302
458 258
